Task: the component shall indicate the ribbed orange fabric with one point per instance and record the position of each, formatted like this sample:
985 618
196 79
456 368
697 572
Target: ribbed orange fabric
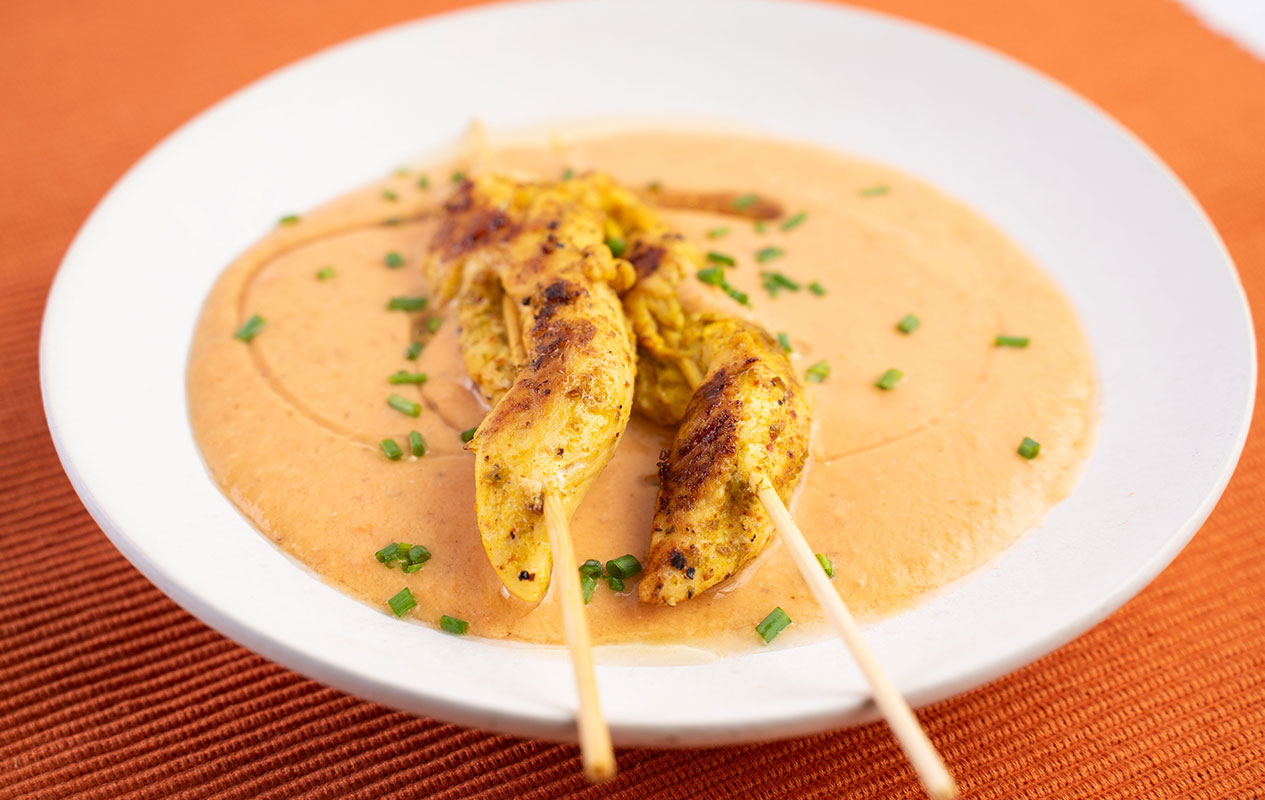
120 694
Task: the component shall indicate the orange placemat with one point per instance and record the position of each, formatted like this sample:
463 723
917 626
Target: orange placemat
108 690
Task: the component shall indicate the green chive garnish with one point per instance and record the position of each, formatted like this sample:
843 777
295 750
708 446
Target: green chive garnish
1029 448
409 569
768 254
889 379
567 174
738 297
827 565
407 377
720 258
403 602
325 273
759 226
772 625
817 372
1011 341
908 323
388 554
746 201
414 350
416 444
458 177
391 450
393 259
816 288
406 304
423 182
654 186
467 435
418 554
874 191
250 329
623 567
776 281
387 194
289 219
405 406
453 625
391 221
794 221
615 584
617 246
713 276
590 571
433 324
716 233
784 340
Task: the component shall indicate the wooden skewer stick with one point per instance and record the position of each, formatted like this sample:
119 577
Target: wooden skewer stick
913 739
595 737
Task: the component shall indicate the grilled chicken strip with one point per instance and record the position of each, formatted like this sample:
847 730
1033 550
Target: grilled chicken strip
556 425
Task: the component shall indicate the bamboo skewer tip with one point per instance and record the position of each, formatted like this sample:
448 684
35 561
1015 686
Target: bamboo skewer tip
913 739
596 752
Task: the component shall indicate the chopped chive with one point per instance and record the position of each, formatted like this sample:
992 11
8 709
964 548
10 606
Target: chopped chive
289 219
827 565
615 584
453 625
816 288
1029 448
759 226
417 445
784 340
407 377
617 246
467 435
874 191
623 567
403 406
414 350
716 233
592 567
588 584
889 379
774 282
393 259
406 304
403 602
908 324
409 569
418 554
1011 341
772 625
250 329
458 177
433 324
654 186
568 174
391 450
768 254
713 276
746 201
388 554
325 273
794 221
391 221
720 258
737 296
423 182
387 194
817 372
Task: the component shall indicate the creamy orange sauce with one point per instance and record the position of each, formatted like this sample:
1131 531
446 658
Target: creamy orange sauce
906 490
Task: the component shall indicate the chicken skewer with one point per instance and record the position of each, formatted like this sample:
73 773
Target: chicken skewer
545 339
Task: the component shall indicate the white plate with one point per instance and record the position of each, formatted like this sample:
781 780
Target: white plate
1156 289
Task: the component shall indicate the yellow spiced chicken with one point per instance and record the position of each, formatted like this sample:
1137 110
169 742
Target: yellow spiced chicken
538 270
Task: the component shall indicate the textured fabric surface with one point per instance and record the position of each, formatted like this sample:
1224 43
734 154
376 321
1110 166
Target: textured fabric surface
109 690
